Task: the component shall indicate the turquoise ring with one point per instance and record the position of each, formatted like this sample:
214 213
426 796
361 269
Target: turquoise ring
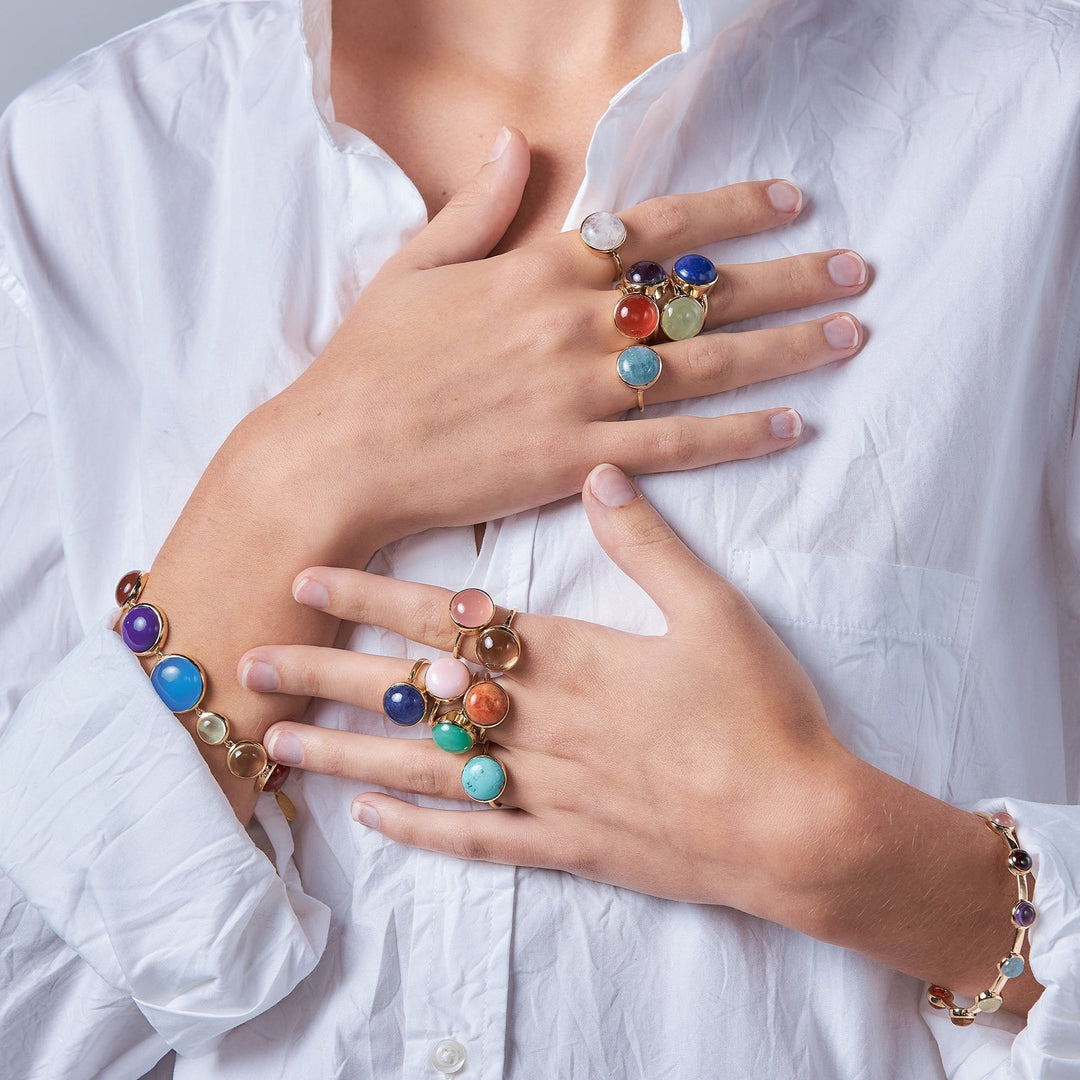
484 779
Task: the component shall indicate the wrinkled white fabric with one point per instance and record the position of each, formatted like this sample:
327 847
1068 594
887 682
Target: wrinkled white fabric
182 227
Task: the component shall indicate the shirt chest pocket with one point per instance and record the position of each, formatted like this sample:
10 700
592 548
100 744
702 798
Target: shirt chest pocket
886 646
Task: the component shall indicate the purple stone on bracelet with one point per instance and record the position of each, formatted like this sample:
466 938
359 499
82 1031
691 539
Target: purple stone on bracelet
141 628
1024 914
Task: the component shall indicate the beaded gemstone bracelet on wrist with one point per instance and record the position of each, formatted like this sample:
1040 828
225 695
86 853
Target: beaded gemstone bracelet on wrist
181 684
1023 913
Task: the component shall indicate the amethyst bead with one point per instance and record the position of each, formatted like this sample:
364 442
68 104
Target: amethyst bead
142 628
1024 914
646 273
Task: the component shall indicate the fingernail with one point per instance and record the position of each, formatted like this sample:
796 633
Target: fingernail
285 748
786 425
310 592
842 332
847 269
785 196
502 141
365 814
256 675
611 486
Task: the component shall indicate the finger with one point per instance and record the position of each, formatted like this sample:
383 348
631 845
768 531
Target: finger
417 766
713 363
418 612
671 225
744 291
642 544
678 443
501 836
312 671
475 218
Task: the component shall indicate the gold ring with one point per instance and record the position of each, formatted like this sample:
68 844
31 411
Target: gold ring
406 703
604 233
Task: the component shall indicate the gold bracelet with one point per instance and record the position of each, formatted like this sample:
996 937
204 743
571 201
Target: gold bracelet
1023 915
180 682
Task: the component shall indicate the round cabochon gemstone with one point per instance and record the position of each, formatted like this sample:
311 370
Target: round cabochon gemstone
447 678
695 270
277 778
212 728
486 704
639 366
498 648
603 231
987 1002
1019 861
452 738
483 778
636 316
1024 914
1003 819
683 318
646 274
472 609
246 760
126 586
404 704
141 628
1012 967
179 682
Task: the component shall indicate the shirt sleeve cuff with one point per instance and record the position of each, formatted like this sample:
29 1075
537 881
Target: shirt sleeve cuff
118 834
999 1046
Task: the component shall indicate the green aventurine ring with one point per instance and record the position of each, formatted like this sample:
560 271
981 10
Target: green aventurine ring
639 367
483 778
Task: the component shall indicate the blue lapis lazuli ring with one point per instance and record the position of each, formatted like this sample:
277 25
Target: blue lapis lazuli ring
694 275
405 703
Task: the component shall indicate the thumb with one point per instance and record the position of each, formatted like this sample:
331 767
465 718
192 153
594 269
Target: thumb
644 546
474 220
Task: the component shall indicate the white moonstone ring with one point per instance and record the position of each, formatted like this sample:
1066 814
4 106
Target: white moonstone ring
604 233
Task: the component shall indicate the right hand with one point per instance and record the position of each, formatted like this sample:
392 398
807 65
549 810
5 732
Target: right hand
463 388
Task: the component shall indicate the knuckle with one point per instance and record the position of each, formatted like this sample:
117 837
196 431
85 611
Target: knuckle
676 446
722 294
421 775
463 843
432 623
667 219
710 358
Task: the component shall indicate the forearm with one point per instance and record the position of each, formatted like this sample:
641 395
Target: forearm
223 578
910 881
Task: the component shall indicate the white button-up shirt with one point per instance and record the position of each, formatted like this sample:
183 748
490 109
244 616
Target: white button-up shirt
183 225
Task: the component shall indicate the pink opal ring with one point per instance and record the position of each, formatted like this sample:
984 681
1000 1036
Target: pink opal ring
471 610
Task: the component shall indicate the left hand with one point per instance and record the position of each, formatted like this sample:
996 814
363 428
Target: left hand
681 766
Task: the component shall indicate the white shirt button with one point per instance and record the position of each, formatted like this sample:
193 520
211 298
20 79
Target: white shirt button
448 1056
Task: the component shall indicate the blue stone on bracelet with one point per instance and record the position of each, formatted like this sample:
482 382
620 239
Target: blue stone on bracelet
1011 966
483 778
404 704
179 682
695 270
638 366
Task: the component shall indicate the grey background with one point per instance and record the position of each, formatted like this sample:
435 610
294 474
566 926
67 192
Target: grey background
37 36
